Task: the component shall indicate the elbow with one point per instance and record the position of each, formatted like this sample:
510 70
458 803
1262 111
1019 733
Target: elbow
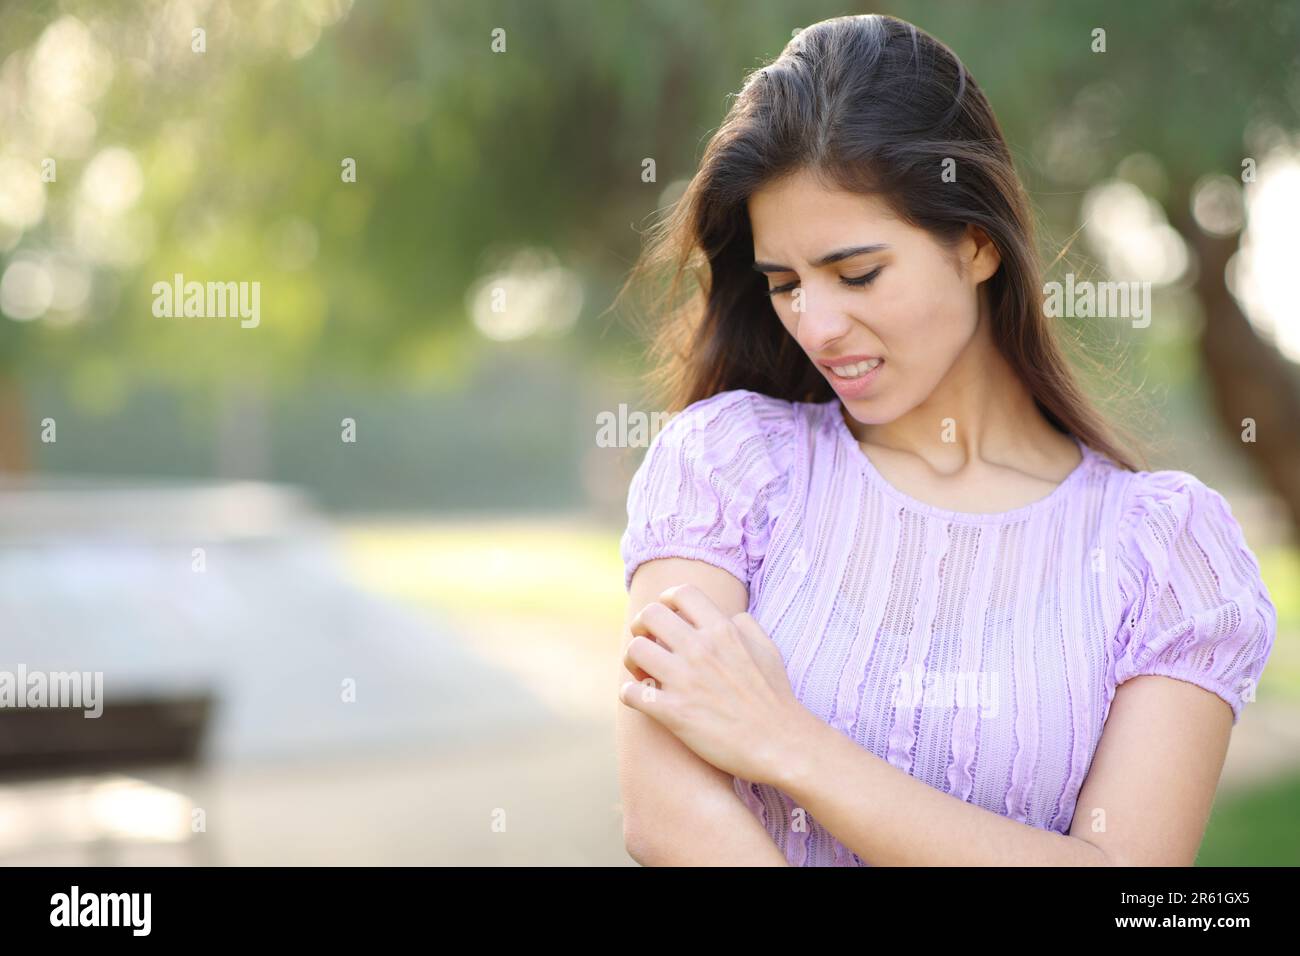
635 847
1117 856
638 838
634 842
652 837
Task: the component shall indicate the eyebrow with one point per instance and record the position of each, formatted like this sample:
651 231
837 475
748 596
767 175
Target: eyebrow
836 256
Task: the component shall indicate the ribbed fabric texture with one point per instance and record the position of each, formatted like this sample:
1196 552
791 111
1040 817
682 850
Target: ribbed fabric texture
977 652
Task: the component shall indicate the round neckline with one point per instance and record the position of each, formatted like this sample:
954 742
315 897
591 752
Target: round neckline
837 411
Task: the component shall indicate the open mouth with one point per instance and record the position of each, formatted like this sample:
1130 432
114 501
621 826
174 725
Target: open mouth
856 370
855 379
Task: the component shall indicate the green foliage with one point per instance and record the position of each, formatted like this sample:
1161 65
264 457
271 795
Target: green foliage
464 154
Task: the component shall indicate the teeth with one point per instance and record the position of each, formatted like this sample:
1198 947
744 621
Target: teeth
855 371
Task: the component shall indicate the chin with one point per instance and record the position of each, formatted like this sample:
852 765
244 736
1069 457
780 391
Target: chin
868 411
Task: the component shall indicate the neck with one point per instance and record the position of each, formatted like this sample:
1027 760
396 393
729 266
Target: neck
980 411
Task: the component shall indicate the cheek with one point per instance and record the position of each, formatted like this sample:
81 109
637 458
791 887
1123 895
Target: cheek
930 321
924 327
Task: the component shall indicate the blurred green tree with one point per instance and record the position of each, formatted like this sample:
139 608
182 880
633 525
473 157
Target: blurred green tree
470 145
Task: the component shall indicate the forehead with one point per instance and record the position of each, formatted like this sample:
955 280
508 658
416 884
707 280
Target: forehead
799 212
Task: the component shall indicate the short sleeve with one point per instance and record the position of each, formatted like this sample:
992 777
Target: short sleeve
711 484
1196 605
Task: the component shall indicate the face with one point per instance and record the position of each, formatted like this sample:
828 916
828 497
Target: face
852 283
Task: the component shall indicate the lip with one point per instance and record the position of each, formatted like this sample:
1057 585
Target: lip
843 360
850 388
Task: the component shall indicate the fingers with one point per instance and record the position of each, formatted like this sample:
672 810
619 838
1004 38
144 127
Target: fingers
660 622
643 696
637 673
687 609
694 606
643 658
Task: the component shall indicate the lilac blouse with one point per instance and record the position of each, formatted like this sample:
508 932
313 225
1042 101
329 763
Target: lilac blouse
977 652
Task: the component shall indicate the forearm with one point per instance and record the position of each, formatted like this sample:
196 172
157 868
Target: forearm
889 818
719 832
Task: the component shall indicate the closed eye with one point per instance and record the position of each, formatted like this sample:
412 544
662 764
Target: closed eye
856 282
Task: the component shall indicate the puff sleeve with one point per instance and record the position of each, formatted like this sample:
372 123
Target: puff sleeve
711 484
1196 606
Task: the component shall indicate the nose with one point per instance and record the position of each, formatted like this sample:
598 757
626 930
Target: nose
822 322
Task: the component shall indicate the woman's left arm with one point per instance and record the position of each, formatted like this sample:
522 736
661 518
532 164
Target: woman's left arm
1145 802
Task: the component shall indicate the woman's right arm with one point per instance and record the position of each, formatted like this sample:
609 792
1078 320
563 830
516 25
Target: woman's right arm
679 810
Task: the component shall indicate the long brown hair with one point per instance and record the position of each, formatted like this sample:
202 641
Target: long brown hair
871 104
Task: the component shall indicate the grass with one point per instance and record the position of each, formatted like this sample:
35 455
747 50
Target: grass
550 569
1258 827
1280 568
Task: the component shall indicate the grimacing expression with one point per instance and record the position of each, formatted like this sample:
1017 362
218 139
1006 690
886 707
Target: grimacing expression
898 295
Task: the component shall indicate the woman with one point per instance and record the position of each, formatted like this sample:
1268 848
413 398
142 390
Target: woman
897 594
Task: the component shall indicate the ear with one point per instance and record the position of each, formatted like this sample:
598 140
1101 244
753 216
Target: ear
980 254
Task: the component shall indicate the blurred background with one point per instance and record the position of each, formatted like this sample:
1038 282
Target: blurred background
351 572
